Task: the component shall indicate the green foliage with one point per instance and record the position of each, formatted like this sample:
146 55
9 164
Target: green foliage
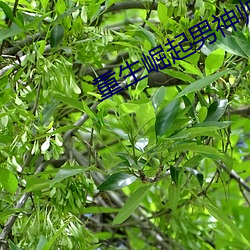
131 204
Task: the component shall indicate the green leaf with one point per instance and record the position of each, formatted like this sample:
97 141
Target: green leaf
70 101
188 105
132 203
35 184
6 33
66 172
8 180
198 85
49 110
194 161
174 172
198 175
173 196
158 97
229 44
35 21
219 125
144 34
49 244
13 246
68 12
128 108
117 181
108 3
216 110
140 86
98 210
44 3
204 150
41 243
243 42
56 131
202 114
227 223
9 211
56 35
193 132
179 75
189 68
166 117
162 12
7 10
214 61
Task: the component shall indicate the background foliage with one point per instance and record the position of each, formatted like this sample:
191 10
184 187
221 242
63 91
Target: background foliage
161 165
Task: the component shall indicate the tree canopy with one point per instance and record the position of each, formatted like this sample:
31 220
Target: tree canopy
124 124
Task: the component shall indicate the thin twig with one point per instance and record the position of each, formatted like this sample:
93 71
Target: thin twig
235 176
80 122
148 14
244 195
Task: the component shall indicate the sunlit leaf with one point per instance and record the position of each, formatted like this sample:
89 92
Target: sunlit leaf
8 180
158 97
162 12
117 181
202 114
214 61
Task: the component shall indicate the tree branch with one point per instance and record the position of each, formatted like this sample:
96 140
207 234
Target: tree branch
80 122
21 44
16 63
236 177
